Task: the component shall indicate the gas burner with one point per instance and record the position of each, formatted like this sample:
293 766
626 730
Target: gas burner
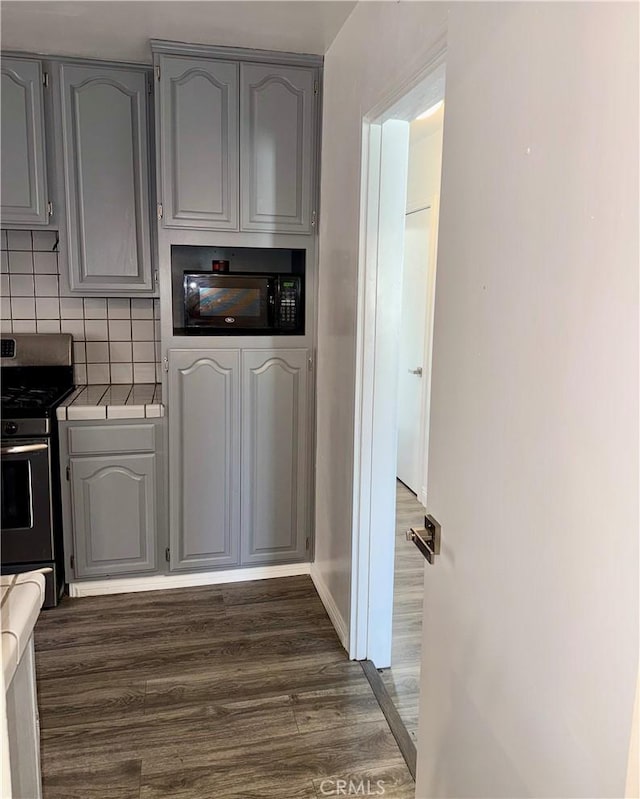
31 396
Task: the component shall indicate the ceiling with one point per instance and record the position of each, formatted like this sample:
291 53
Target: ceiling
120 30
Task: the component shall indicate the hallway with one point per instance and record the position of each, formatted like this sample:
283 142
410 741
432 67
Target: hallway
403 678
232 691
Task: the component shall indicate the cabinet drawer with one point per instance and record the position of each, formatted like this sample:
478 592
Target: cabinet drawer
111 438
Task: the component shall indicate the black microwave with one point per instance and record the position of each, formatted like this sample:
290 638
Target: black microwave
243 303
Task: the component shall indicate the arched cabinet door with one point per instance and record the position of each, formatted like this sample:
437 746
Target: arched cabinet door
199 143
113 503
106 169
275 456
277 147
204 458
24 176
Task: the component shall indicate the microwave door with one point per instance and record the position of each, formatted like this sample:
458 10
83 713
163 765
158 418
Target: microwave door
229 302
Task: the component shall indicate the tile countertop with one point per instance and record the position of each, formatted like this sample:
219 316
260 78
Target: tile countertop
22 596
116 401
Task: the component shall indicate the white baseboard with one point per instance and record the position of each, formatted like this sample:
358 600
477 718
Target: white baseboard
160 582
330 606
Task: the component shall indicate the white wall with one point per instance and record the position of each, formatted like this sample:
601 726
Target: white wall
535 382
425 160
355 79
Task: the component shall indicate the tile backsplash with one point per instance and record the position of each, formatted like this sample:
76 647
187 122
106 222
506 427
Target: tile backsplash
115 340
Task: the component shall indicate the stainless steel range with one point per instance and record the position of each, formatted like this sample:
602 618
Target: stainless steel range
37 374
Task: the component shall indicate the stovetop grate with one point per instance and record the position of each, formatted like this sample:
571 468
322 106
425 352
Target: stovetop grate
32 397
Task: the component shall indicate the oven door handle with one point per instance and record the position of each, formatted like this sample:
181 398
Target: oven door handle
19 449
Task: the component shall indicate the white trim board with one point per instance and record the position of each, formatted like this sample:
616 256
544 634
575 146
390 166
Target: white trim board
384 157
161 582
330 606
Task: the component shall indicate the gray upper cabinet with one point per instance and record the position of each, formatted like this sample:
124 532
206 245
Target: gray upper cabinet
275 456
199 146
204 448
277 147
113 506
24 176
106 172
237 142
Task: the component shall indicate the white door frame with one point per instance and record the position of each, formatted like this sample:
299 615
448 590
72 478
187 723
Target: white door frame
383 195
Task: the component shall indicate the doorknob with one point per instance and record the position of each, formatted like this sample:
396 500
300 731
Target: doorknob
417 371
427 538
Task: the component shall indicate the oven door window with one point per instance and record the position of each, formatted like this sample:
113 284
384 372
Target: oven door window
17 497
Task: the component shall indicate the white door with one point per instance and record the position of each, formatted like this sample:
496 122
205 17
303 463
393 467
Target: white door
530 626
411 360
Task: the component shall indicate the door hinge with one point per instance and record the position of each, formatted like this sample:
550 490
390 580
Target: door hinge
316 88
50 208
306 544
310 364
158 72
68 473
72 562
155 276
313 219
159 211
167 554
165 363
45 80
150 86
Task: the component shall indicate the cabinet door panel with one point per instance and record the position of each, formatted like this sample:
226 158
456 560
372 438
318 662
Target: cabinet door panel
24 178
275 456
114 514
199 143
277 146
107 179
204 447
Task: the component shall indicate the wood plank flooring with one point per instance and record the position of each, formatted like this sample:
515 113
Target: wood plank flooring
402 680
234 692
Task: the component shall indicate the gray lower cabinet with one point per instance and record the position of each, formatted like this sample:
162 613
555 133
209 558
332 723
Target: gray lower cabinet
106 177
24 174
204 458
113 502
277 113
275 456
199 145
239 457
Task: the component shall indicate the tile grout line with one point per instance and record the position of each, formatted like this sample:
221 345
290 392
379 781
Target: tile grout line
40 308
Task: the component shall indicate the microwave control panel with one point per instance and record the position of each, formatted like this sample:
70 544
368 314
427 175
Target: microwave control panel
289 303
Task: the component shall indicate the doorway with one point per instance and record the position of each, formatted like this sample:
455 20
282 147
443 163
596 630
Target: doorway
400 191
424 166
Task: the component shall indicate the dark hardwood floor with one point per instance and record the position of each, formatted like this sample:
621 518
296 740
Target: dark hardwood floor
403 678
228 692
